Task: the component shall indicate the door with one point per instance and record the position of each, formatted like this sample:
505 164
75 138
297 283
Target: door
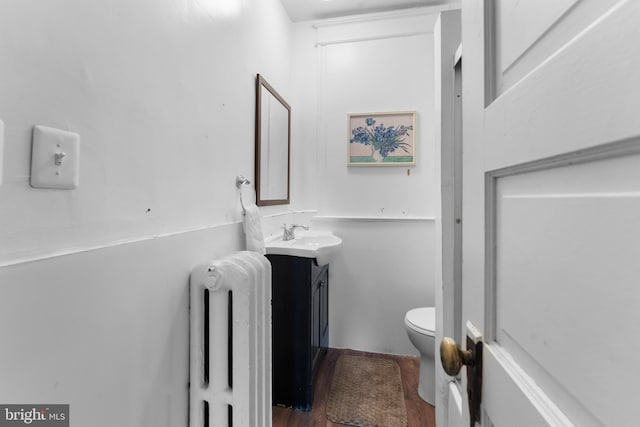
448 176
314 333
551 208
324 311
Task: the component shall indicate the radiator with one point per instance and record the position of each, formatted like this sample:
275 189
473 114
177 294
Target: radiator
230 342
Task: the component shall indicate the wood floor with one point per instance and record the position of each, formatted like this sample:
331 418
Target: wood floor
419 413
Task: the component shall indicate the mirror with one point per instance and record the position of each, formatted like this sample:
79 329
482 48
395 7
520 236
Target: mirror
273 139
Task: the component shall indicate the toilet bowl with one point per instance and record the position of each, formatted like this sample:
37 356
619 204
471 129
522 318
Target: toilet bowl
421 325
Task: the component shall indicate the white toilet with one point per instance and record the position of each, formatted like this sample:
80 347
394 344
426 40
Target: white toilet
421 325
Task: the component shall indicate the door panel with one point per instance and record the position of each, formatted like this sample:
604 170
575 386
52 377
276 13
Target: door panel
563 282
520 24
324 310
315 324
528 32
551 202
585 96
512 389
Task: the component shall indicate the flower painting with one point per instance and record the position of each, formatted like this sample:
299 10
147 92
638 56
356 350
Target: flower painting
382 139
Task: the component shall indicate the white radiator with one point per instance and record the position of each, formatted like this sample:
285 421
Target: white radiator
230 342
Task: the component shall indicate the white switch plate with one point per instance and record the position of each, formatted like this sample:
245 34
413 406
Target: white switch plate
55 158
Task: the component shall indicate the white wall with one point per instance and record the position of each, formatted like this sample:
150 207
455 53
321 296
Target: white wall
162 94
384 215
93 281
106 331
382 270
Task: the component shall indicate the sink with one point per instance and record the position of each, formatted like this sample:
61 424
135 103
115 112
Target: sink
320 245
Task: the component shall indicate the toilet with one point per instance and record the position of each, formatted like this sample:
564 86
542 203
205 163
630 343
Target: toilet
421 325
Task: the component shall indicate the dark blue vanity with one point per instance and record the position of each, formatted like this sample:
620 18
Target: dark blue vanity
300 327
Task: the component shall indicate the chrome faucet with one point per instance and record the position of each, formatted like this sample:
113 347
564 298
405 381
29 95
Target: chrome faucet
289 232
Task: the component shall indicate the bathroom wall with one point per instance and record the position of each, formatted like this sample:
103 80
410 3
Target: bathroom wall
93 281
162 95
373 63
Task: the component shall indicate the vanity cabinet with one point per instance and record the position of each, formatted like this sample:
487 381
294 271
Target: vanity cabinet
300 327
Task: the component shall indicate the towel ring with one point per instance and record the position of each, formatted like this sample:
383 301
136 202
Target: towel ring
239 181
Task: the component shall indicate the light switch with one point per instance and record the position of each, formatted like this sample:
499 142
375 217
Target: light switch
55 158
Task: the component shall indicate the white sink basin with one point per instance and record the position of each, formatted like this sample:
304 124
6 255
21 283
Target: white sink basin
307 244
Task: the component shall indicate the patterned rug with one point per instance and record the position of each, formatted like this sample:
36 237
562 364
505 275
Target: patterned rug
367 391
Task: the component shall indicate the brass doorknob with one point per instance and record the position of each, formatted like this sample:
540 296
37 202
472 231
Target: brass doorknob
453 357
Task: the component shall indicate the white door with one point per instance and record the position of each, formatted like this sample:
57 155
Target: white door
448 275
551 208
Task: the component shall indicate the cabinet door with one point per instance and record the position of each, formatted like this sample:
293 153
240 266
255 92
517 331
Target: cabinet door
324 310
315 323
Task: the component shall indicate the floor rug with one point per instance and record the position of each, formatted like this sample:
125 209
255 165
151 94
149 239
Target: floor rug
366 391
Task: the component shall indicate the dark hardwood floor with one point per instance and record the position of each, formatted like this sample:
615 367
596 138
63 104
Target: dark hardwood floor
419 413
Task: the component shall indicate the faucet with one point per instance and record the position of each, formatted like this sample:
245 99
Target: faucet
289 232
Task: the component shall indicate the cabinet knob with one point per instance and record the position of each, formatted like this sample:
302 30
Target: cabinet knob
322 284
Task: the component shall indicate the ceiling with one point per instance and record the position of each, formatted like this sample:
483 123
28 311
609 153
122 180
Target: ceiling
307 10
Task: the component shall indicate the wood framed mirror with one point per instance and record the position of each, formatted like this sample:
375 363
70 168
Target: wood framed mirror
273 145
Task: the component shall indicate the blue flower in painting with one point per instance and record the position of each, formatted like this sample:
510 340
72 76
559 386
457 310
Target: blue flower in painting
383 139
360 135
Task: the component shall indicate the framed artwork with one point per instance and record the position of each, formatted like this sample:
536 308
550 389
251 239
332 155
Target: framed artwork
382 139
